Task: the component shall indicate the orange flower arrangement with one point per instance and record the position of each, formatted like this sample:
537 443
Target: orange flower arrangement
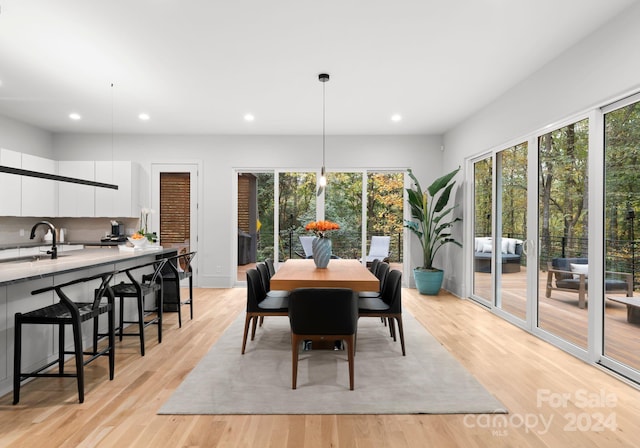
320 228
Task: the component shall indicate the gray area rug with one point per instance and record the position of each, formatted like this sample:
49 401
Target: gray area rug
426 381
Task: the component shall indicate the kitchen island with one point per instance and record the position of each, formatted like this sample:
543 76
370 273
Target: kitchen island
21 276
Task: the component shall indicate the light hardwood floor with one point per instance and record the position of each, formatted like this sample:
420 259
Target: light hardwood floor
531 377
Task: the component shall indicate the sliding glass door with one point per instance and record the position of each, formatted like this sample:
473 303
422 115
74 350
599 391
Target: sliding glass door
621 343
499 259
511 230
343 204
576 286
483 230
273 208
564 232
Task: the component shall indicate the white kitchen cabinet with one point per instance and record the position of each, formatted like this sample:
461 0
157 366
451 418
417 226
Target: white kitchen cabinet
76 200
10 184
120 203
39 196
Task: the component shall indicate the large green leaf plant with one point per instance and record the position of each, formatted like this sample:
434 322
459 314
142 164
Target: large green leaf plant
432 216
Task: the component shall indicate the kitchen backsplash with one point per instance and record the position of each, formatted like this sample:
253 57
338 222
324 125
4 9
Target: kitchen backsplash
18 229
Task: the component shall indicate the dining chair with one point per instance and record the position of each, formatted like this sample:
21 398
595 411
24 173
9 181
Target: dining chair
388 305
259 305
270 266
321 314
374 266
265 277
381 274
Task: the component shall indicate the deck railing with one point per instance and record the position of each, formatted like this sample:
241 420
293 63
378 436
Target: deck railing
345 244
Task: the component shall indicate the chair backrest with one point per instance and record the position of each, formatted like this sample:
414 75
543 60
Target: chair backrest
263 270
374 266
382 274
255 290
392 293
270 266
307 244
379 247
323 311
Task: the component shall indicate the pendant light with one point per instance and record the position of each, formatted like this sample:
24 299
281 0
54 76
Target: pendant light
322 182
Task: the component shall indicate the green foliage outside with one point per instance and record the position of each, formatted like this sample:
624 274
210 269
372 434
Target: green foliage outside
343 204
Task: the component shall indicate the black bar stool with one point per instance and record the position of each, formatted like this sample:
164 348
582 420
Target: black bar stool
68 312
149 284
179 268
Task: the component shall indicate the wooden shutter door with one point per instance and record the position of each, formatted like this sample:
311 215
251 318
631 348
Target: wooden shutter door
175 213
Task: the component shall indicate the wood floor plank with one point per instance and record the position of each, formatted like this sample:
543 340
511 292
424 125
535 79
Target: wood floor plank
522 371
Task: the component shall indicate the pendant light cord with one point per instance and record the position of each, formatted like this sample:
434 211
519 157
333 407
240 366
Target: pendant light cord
323 123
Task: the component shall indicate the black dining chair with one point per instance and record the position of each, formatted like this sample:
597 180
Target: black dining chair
323 314
270 266
374 266
265 276
259 305
382 270
389 305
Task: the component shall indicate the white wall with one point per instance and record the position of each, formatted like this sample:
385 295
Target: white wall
597 70
220 155
21 137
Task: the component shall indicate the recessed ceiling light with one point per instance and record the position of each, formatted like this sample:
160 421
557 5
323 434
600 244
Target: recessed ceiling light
75 116
396 117
144 117
249 117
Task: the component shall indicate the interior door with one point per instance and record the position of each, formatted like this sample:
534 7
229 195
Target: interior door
174 201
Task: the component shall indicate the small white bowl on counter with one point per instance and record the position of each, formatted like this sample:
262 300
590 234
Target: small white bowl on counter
138 243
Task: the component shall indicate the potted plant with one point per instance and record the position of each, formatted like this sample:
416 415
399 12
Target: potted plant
432 222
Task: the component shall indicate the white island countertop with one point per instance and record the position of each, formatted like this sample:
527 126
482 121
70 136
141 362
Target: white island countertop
25 270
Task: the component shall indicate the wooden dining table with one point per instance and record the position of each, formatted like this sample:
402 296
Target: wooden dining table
338 274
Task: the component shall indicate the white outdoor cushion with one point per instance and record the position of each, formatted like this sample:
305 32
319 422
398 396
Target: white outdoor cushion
505 245
578 269
487 247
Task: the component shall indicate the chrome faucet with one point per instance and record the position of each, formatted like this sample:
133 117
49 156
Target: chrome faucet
54 249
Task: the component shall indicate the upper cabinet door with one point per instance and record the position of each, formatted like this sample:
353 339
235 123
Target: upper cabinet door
76 200
39 196
120 203
10 184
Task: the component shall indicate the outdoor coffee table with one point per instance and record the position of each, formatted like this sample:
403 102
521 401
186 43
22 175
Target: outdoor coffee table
633 307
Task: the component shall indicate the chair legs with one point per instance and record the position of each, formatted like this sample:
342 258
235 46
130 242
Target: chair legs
253 319
392 330
158 300
78 352
296 339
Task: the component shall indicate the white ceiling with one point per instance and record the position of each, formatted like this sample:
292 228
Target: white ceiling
198 66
